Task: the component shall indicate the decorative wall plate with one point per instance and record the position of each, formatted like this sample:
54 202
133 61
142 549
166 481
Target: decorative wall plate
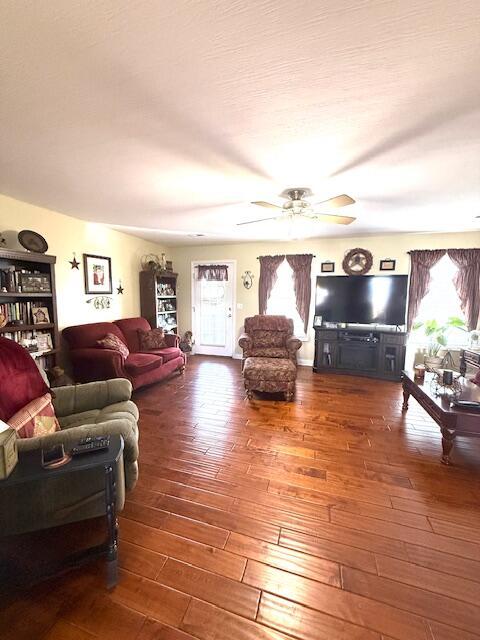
357 262
32 241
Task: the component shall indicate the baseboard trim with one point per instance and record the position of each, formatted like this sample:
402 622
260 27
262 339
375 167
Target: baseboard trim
305 362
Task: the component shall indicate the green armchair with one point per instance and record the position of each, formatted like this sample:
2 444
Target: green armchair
94 409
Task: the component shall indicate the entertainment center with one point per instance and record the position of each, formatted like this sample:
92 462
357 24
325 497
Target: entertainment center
357 320
375 353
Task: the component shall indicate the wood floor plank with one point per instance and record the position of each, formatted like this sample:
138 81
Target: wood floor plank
429 579
231 595
153 630
350 607
445 562
328 549
284 558
62 630
308 624
412 599
206 622
198 554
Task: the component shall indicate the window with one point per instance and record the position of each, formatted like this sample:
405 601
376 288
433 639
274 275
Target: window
441 302
282 299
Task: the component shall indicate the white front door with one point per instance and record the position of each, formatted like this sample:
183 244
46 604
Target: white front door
212 312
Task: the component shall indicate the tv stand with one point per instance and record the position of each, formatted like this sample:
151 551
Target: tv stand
366 351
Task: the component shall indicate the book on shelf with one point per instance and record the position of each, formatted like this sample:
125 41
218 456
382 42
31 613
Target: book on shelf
20 280
24 312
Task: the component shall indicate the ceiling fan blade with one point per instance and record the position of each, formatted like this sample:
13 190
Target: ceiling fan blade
325 217
261 203
335 203
239 224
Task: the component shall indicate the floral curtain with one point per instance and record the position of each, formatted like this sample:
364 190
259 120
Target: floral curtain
421 262
268 277
467 283
301 265
212 272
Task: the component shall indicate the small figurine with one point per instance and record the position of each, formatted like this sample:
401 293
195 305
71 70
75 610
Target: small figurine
187 342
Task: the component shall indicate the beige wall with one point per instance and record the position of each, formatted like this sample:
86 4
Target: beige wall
66 235
389 246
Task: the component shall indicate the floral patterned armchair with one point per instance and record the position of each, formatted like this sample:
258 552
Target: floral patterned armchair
269 337
269 355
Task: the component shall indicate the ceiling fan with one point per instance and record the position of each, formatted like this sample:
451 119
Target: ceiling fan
296 205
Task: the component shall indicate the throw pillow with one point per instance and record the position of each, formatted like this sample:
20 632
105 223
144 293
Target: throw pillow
37 418
111 341
153 339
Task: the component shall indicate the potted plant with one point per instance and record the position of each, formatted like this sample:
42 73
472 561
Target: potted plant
437 338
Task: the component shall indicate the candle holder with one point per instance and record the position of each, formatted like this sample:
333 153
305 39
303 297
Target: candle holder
446 383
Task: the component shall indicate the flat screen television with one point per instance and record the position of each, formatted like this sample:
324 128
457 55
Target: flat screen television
362 299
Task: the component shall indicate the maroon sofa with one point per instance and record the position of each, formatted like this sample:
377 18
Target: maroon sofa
91 362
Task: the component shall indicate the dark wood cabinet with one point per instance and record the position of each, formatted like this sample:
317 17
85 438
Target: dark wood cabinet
364 352
158 299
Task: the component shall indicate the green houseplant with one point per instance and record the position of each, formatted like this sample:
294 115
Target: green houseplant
437 336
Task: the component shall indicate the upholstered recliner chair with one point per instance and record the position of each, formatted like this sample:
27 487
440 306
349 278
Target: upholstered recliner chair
269 355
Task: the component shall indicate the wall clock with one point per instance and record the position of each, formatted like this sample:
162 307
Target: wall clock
357 262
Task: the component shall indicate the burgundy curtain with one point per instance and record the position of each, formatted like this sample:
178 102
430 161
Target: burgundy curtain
212 272
301 265
268 277
421 262
467 283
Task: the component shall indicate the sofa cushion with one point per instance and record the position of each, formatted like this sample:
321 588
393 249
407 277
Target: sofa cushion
125 410
113 342
280 369
129 328
269 352
86 335
153 339
37 418
262 338
137 363
167 354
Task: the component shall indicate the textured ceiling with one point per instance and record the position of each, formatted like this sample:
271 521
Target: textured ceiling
168 118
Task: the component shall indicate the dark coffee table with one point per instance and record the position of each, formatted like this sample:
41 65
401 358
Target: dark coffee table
451 420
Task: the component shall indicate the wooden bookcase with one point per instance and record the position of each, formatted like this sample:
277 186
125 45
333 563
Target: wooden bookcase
158 299
19 304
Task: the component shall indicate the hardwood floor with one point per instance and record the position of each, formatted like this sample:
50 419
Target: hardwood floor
327 518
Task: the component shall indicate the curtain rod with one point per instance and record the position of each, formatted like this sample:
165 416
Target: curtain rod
291 254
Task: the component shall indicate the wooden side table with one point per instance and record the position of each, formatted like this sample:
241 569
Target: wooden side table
99 471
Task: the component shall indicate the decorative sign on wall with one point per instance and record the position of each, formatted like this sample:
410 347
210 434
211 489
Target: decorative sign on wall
357 262
100 302
247 278
327 267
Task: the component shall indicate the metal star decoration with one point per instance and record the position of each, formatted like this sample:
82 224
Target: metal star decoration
120 289
75 263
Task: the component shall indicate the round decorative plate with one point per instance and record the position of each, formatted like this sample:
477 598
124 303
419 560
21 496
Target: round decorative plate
32 241
357 262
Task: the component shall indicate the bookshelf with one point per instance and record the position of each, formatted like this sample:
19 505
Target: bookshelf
27 285
158 299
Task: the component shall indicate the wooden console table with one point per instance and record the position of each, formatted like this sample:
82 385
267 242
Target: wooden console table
451 420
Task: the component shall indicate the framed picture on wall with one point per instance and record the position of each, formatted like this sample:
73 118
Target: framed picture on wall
387 265
327 267
97 271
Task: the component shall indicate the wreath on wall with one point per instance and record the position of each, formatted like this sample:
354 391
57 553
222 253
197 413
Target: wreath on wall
357 262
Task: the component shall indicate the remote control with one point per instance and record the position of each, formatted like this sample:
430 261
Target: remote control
91 444
467 404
